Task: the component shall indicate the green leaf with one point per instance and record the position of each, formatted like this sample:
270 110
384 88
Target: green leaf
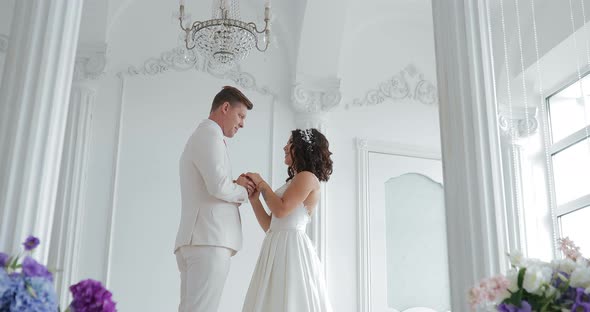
31 291
515 297
520 280
14 262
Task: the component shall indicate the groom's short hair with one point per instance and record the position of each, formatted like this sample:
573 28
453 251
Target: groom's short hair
232 95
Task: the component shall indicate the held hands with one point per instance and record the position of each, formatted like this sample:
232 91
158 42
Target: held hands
256 179
244 181
252 182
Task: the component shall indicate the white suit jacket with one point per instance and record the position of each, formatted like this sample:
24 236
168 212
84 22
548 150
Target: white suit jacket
210 198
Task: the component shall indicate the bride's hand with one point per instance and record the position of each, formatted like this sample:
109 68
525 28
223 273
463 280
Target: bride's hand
254 195
255 177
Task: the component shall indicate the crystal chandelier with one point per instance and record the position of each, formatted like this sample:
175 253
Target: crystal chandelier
225 40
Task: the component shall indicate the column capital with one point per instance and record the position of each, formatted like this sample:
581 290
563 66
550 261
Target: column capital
90 62
518 121
315 95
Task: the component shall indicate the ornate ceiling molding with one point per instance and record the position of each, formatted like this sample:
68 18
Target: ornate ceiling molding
408 84
90 63
177 59
316 95
180 59
3 43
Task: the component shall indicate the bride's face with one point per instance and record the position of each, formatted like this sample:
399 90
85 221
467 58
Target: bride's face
287 150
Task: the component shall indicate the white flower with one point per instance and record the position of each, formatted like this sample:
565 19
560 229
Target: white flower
535 277
517 259
550 291
580 277
564 265
512 277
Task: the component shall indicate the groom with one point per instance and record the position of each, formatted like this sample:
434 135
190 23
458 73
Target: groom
210 229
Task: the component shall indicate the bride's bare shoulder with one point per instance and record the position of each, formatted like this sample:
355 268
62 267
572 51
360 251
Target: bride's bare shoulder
307 177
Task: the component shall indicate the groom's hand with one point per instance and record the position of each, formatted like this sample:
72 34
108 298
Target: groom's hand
247 183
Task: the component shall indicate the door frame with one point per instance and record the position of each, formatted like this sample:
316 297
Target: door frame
364 147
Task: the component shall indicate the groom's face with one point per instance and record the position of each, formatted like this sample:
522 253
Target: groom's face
235 115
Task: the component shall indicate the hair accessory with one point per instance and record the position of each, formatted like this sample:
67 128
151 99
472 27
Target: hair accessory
307 136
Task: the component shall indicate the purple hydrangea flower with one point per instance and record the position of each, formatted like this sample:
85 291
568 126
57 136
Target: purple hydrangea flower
32 268
582 302
524 307
90 296
559 279
31 243
6 290
3 259
33 295
567 296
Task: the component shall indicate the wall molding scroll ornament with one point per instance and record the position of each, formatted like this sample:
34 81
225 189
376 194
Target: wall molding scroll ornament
408 84
181 59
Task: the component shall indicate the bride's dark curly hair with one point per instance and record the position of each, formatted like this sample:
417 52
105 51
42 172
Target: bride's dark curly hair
310 152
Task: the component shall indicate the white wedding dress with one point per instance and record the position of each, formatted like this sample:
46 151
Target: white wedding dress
288 276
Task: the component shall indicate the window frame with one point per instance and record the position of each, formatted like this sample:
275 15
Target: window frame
560 146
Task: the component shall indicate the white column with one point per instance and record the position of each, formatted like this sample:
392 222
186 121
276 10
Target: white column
312 99
470 146
527 208
3 43
69 210
34 99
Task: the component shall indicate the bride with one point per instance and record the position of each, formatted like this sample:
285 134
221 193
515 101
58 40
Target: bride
288 276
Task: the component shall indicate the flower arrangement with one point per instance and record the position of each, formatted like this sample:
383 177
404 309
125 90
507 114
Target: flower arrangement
533 285
26 285
90 296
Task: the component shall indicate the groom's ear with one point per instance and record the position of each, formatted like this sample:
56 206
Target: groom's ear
225 107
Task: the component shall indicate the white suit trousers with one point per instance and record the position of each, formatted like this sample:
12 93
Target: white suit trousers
203 272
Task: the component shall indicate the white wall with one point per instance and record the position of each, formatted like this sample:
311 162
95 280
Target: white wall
376 46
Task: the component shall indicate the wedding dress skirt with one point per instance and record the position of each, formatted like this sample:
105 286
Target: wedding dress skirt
288 276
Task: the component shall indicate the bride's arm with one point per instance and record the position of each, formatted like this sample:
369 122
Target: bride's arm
301 186
261 215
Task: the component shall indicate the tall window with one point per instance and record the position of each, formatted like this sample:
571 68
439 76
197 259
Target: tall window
569 116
